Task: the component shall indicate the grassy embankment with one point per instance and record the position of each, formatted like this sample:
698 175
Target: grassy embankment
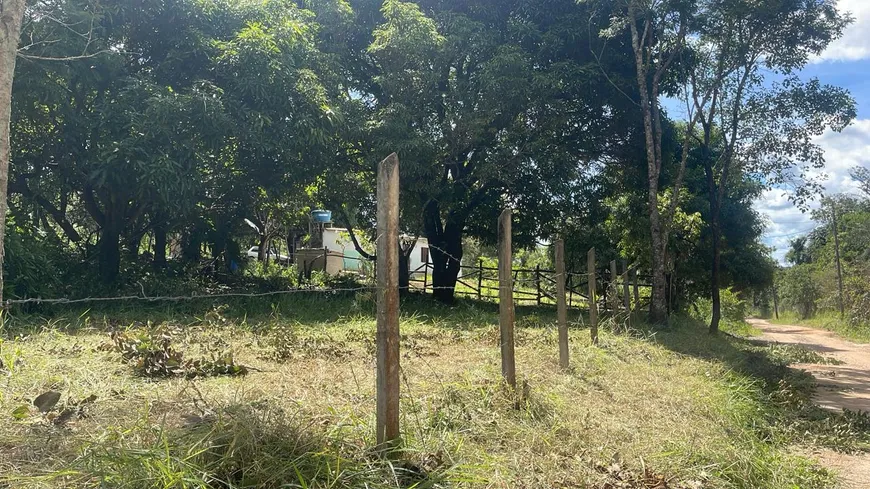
830 321
701 412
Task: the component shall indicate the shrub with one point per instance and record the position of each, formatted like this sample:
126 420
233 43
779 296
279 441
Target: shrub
800 290
733 308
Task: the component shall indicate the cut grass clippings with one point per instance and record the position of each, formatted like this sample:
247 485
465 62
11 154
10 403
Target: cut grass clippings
668 409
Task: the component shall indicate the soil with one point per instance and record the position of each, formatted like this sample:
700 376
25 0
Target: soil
843 386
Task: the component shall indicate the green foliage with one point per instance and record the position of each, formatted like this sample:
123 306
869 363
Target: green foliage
33 264
734 308
799 289
811 285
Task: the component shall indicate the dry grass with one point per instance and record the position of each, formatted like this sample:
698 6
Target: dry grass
627 411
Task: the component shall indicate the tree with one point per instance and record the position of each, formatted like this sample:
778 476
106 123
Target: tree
11 17
658 32
489 104
749 126
861 175
216 112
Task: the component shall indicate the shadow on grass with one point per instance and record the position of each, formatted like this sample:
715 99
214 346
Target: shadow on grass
314 307
242 446
786 393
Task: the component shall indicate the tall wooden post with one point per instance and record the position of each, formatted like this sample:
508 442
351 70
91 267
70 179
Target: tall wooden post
387 422
593 300
570 290
425 275
613 288
561 306
506 299
538 282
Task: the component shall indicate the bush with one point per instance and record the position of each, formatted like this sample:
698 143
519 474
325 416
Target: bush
32 264
733 308
800 290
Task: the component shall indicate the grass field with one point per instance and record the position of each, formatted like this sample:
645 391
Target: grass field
672 408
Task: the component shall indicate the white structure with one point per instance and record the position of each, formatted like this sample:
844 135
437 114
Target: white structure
338 242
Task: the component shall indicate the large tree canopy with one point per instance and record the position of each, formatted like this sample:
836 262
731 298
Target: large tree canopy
184 129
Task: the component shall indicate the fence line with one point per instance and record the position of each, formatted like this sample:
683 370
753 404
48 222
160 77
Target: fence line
537 287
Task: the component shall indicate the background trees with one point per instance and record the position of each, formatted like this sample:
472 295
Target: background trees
205 127
810 285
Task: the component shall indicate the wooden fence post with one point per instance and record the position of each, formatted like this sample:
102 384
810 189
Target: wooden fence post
387 421
425 275
561 307
626 297
613 288
506 299
593 301
636 289
538 282
479 278
570 290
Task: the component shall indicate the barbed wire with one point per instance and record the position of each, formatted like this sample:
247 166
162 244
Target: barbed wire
143 297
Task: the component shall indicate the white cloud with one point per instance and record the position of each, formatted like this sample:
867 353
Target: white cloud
843 151
855 43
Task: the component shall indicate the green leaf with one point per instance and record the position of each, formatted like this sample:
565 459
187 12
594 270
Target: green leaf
21 412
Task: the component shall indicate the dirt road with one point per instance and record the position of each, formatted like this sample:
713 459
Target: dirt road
845 386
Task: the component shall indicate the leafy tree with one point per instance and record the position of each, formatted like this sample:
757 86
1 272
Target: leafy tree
489 104
658 31
187 135
747 125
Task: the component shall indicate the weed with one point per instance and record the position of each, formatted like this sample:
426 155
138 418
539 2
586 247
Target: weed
153 355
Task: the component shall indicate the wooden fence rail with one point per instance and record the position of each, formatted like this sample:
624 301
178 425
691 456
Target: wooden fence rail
531 286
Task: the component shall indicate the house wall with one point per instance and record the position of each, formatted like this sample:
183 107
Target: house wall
338 240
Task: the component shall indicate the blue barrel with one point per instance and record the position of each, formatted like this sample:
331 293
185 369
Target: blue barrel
321 216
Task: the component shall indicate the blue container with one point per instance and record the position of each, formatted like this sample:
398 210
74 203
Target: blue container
321 216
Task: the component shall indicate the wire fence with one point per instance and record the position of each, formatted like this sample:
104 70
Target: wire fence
531 286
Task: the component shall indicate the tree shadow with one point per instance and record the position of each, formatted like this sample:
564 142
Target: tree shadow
306 307
244 445
797 403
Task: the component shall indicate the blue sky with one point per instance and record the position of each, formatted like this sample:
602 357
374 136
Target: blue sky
845 63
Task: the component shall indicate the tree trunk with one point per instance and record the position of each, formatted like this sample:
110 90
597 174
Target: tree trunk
716 236
160 246
445 248
191 247
11 15
262 252
110 249
658 306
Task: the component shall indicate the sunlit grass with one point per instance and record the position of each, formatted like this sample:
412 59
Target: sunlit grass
830 321
678 402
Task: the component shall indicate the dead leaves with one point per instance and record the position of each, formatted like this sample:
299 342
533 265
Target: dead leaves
619 477
154 354
48 410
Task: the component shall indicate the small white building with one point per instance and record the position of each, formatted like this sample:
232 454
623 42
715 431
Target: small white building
343 256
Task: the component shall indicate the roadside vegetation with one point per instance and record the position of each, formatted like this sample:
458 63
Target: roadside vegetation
293 400
827 284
